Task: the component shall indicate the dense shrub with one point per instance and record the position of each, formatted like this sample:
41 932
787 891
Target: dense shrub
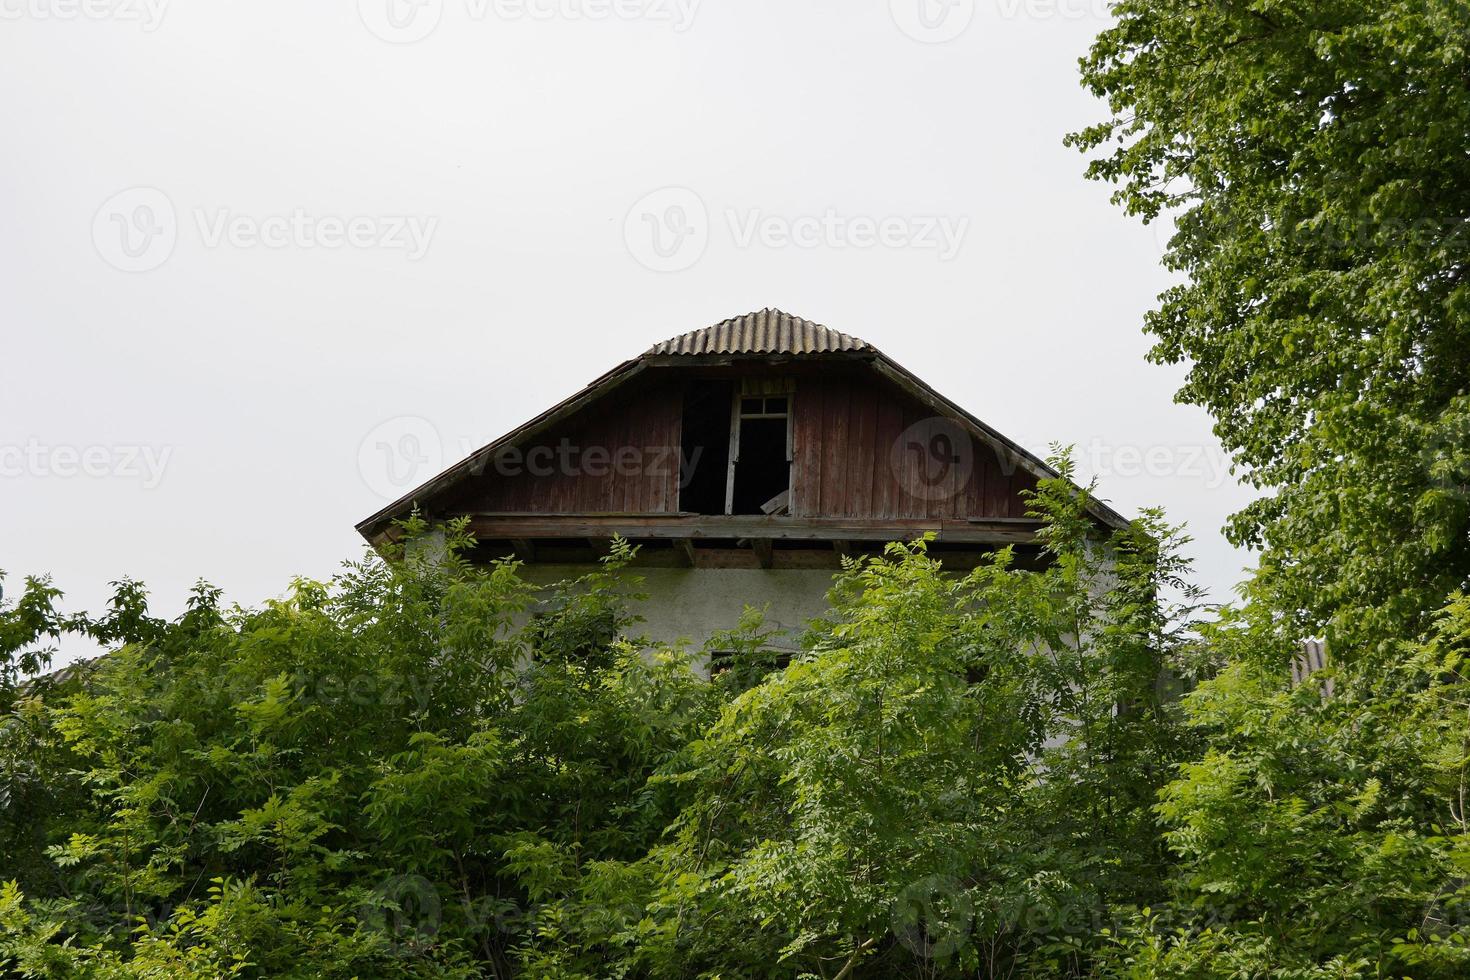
428 768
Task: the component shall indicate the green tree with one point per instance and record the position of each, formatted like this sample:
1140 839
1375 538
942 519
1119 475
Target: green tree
954 779
1314 155
1322 832
381 775
427 768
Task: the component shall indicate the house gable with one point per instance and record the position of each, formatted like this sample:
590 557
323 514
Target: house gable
765 428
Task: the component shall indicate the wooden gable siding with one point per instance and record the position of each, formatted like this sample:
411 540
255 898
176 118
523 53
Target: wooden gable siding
645 420
844 464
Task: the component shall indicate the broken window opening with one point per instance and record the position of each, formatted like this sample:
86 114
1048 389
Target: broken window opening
759 662
704 463
760 466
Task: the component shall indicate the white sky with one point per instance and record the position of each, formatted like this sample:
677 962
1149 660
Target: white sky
203 414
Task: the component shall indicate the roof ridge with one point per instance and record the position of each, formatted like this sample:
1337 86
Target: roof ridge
767 331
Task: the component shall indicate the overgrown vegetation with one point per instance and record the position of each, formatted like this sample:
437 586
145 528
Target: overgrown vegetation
406 772
422 768
1313 158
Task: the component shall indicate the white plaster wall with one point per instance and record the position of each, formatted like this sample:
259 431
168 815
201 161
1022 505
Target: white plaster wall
693 603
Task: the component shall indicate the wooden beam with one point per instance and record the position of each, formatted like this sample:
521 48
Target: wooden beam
816 529
685 547
779 505
525 549
763 551
818 557
842 546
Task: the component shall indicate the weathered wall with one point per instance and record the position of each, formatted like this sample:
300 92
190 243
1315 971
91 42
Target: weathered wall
694 603
861 448
865 449
619 457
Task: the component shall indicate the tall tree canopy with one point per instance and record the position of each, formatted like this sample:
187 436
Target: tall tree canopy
1316 156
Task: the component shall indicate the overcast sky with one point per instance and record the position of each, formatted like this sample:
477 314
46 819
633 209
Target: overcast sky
247 243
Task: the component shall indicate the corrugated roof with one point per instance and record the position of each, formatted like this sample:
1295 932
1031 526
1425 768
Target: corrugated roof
767 332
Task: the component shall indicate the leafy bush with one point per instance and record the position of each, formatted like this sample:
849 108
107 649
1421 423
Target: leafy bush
428 768
1319 834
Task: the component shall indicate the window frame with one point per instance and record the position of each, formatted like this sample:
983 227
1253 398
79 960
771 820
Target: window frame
765 389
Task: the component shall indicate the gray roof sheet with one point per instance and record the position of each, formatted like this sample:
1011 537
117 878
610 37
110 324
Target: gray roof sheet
767 332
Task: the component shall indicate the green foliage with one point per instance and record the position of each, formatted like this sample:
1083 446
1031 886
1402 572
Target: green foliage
1322 832
345 782
1314 154
955 776
429 768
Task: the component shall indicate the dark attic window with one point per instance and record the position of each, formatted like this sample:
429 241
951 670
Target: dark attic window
736 448
705 452
761 476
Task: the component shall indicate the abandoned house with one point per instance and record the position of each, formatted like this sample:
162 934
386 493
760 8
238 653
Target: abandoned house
743 460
